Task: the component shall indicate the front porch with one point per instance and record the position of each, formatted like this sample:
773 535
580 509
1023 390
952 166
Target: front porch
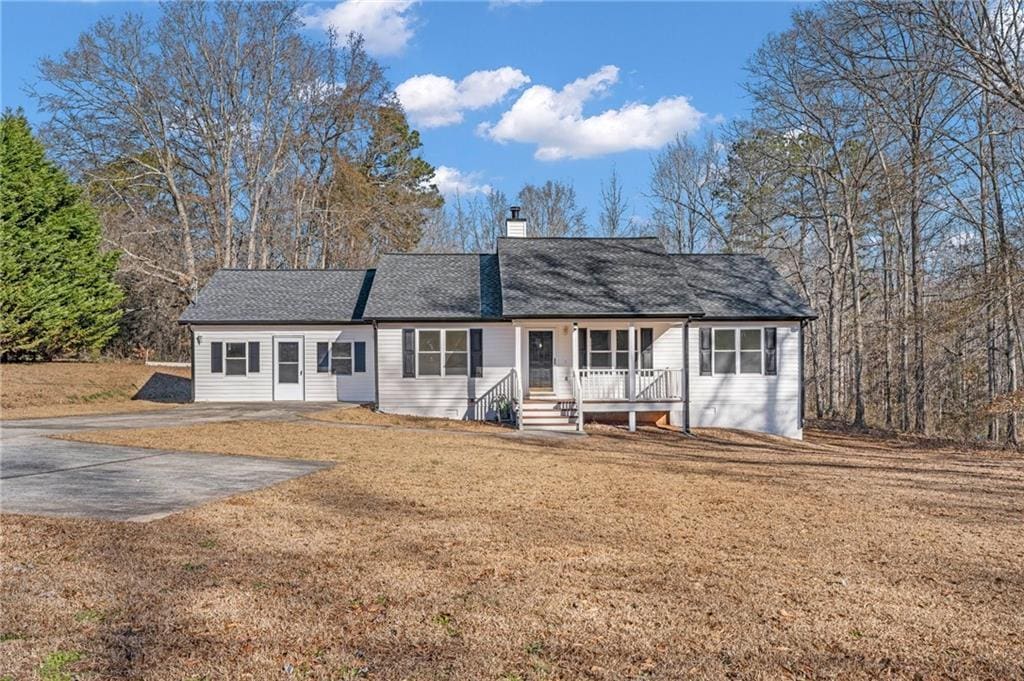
576 367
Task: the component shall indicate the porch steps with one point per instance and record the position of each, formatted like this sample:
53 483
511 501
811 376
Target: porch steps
549 413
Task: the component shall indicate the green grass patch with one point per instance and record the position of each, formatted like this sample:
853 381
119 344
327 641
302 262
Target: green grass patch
54 666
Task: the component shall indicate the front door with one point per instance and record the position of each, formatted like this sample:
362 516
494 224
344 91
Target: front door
542 345
288 379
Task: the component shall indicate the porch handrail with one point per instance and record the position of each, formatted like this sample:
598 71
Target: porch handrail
577 393
658 384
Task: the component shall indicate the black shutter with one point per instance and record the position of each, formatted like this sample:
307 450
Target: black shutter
583 348
323 358
705 351
408 353
646 348
359 359
217 358
476 352
254 357
771 367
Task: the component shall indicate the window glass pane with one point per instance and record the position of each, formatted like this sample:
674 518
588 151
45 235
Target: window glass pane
455 341
234 367
341 366
622 360
622 341
430 341
287 373
236 350
750 339
339 350
601 360
430 364
600 341
750 362
288 352
725 362
725 339
455 363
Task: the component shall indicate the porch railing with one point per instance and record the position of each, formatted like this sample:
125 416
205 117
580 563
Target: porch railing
517 398
577 395
613 384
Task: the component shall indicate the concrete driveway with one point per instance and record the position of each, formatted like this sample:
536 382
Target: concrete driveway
42 476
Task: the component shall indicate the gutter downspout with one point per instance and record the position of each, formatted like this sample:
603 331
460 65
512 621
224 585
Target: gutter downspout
192 378
803 323
686 376
376 370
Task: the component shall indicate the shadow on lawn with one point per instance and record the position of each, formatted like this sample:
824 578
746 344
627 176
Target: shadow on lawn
166 388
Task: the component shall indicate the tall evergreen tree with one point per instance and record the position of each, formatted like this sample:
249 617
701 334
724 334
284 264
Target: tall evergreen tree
57 294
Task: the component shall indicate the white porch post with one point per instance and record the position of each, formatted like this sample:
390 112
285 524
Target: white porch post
519 370
631 377
575 347
573 374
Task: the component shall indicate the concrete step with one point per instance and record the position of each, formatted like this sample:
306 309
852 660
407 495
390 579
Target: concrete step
557 427
554 419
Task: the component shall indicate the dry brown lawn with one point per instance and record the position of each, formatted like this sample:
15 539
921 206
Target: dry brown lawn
45 389
367 417
436 555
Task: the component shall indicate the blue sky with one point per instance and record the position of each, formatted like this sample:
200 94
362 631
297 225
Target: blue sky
640 73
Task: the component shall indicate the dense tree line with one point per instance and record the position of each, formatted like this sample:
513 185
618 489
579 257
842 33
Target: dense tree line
221 135
882 169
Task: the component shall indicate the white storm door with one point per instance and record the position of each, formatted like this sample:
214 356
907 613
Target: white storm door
288 373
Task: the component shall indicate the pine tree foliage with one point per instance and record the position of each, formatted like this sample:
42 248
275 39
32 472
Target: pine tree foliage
58 295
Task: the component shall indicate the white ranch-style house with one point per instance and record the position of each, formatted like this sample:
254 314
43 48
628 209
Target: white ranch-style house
548 332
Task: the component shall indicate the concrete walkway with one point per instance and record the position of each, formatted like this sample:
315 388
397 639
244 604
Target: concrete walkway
43 476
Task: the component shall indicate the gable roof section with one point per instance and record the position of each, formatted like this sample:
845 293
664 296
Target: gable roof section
281 296
436 286
590 277
734 286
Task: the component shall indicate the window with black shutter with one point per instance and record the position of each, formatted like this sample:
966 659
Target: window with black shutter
341 358
254 357
771 366
360 357
476 352
216 358
408 353
705 351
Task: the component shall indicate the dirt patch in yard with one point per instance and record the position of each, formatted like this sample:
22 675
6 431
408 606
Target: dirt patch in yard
368 417
503 556
47 389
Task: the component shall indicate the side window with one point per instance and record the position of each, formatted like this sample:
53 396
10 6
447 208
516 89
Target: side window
456 352
750 351
323 358
341 358
235 359
428 355
725 351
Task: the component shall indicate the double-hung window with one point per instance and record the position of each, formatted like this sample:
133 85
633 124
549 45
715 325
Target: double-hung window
442 353
235 359
341 358
609 349
456 352
738 351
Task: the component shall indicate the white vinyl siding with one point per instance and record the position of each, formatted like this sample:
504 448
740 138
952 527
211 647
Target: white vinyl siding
257 387
748 401
451 396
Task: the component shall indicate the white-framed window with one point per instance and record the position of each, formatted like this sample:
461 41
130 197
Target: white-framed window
608 349
442 352
456 352
738 351
341 358
236 358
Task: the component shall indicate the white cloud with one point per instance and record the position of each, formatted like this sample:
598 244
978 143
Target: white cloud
498 4
433 101
386 25
554 120
451 181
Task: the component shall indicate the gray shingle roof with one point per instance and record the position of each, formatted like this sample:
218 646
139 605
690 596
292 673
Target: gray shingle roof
281 296
436 286
740 287
586 277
